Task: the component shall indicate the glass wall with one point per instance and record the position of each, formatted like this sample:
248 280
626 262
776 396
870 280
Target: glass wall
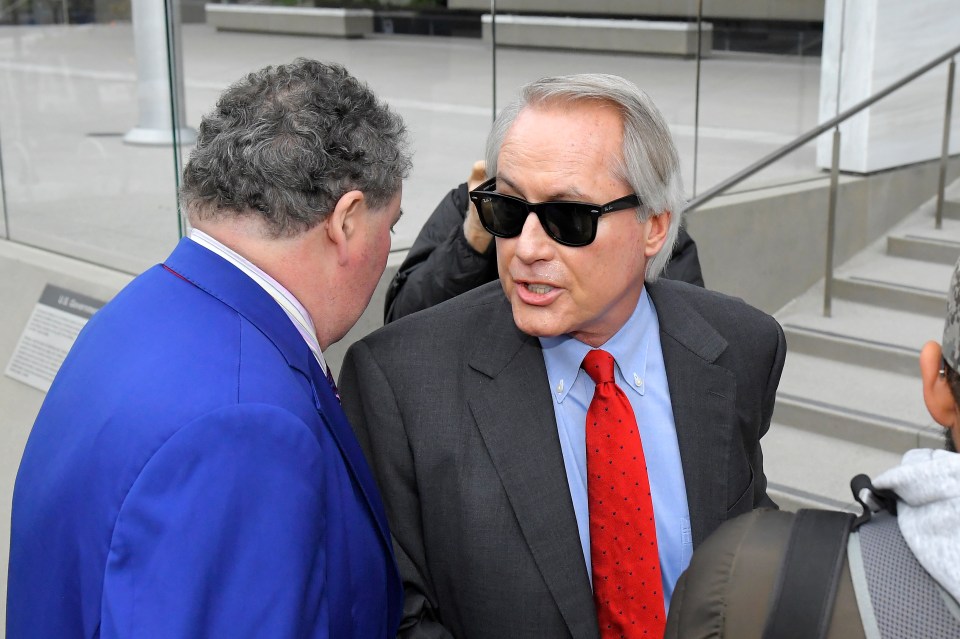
759 89
74 89
69 95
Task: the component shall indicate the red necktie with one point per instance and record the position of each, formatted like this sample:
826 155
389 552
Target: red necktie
627 588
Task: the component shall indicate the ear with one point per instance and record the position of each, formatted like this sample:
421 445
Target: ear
341 224
936 390
657 228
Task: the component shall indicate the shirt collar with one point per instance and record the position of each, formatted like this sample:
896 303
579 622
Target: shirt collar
628 346
290 305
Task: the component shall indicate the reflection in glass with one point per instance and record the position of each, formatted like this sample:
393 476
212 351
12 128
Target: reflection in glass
71 185
70 94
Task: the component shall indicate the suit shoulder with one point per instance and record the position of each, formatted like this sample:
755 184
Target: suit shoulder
718 308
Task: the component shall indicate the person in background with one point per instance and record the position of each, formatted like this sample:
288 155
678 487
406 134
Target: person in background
191 472
552 446
453 254
900 576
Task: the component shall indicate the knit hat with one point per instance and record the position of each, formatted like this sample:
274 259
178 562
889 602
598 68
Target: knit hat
951 328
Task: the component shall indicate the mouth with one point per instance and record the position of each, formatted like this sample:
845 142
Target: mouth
537 289
536 293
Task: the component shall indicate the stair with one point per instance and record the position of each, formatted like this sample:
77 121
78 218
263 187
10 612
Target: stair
850 398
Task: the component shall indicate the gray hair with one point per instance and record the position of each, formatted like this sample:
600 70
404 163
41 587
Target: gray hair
287 142
650 164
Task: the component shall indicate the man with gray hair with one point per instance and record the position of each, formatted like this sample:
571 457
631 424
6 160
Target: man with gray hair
191 472
553 446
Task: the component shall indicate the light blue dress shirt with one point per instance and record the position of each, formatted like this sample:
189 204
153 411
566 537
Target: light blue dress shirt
641 374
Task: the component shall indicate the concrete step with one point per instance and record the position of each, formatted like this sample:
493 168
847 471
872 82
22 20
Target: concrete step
852 350
928 244
854 425
809 470
850 398
861 334
897 283
877 408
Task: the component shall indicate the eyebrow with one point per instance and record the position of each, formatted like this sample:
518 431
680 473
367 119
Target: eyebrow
569 196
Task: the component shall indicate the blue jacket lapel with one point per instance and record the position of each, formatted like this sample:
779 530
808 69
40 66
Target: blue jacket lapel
333 416
217 277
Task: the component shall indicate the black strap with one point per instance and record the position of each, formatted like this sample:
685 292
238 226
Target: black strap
884 499
809 575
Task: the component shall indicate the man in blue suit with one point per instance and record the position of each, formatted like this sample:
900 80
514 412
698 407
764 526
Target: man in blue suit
191 472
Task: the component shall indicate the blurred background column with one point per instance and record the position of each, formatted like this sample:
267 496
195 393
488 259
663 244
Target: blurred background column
156 35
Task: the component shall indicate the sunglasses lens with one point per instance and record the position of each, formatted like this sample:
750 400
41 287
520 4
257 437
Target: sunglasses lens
568 224
501 216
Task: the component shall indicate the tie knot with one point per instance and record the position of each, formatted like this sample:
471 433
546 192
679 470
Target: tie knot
599 366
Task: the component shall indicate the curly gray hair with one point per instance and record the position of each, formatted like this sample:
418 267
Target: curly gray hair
650 164
287 142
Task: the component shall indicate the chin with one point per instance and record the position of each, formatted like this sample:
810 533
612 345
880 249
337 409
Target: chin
537 323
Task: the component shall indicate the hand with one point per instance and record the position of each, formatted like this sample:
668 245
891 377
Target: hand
476 235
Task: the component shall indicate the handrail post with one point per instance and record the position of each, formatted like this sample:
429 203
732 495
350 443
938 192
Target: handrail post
945 149
831 223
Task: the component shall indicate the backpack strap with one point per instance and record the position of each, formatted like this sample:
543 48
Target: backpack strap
809 575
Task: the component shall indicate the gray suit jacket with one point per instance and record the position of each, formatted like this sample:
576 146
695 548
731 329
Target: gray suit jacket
453 408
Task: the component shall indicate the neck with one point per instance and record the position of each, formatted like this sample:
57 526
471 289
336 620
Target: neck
295 263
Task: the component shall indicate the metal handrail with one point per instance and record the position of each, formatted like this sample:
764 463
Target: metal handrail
764 162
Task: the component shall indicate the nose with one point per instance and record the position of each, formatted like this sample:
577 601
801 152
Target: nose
533 243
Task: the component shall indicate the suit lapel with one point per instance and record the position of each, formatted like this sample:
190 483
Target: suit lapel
703 395
514 413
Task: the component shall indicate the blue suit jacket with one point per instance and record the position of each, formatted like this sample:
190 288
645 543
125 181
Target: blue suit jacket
191 474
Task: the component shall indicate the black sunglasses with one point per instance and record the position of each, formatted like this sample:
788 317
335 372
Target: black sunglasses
569 223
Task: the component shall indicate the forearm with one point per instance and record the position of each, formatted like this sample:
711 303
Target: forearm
452 268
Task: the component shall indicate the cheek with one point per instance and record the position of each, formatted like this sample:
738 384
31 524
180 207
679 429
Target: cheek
375 257
381 245
385 246
504 255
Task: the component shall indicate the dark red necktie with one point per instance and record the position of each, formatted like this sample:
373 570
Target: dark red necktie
333 384
627 588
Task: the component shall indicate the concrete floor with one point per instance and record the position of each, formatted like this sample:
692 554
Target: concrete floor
67 94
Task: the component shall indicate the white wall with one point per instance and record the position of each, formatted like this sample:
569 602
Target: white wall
872 44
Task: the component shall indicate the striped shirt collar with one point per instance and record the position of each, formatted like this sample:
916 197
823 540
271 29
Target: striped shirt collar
294 310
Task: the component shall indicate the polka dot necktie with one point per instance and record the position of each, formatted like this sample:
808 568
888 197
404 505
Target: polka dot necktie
627 588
